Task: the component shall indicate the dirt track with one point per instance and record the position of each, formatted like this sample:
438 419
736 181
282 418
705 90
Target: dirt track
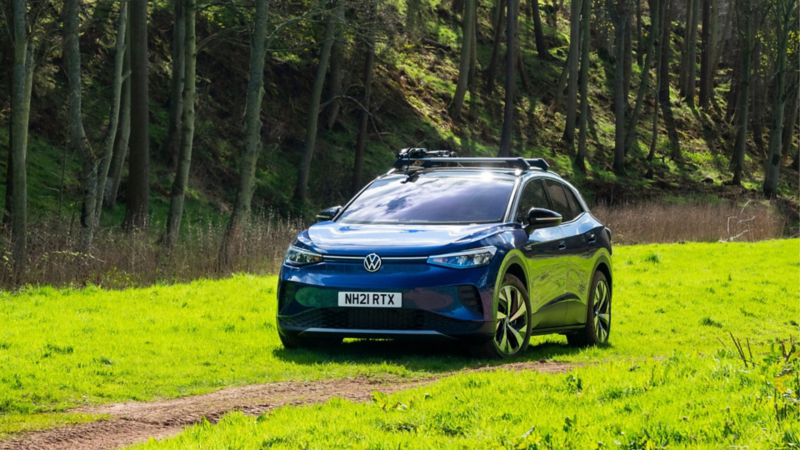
134 422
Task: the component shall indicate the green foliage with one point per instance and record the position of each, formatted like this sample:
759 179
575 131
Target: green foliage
64 348
687 400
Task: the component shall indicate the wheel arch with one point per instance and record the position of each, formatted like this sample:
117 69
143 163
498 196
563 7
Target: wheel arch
604 266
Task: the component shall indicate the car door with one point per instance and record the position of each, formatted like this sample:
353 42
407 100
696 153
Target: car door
546 276
570 247
575 254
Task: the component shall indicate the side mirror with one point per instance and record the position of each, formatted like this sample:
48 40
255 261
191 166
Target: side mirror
542 218
330 213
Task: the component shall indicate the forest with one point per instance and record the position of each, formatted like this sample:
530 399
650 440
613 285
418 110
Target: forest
168 140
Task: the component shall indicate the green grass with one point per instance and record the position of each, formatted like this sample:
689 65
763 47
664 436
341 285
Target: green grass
64 348
681 401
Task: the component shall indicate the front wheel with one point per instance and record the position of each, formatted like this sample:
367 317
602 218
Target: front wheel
598 315
512 322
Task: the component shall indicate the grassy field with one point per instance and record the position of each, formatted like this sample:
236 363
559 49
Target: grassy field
64 348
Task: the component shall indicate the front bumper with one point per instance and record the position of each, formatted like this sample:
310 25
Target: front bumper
438 302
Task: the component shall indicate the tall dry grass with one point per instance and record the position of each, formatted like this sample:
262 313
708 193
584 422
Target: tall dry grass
652 222
120 260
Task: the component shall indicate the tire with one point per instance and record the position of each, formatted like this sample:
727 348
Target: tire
598 315
512 336
291 343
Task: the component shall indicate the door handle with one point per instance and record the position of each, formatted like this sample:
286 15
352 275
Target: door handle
562 245
590 238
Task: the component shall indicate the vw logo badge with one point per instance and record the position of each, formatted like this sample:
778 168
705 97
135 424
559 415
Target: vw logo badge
372 262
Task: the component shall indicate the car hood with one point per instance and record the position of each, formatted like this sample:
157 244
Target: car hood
396 239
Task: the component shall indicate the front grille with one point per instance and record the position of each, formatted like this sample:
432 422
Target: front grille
471 299
376 319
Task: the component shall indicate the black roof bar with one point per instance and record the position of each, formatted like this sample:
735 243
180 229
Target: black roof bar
420 157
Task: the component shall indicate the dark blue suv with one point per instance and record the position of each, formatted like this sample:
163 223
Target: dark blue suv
489 251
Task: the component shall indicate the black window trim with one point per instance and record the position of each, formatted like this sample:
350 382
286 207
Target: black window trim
564 185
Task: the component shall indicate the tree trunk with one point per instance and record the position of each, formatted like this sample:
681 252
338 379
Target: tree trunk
640 45
538 32
19 128
620 16
705 57
790 124
740 144
644 80
721 41
691 58
187 130
172 145
76 135
661 23
466 55
784 15
684 72
628 59
138 193
491 73
124 128
252 133
572 83
586 15
369 63
113 115
313 113
511 78
757 93
337 63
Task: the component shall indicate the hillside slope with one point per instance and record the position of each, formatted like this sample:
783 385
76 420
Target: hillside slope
414 83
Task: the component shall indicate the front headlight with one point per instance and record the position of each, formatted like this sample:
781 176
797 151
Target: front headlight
468 259
296 256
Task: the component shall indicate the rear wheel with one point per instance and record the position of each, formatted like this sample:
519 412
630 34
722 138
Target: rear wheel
598 315
512 322
292 343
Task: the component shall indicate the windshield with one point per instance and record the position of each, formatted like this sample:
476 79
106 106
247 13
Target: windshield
439 200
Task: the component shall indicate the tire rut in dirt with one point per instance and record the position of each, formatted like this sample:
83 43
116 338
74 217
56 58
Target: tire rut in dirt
134 422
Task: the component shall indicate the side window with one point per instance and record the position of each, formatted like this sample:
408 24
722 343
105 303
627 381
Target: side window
559 199
574 204
533 196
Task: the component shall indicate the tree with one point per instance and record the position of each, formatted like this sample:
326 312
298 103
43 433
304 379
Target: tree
313 113
413 16
662 24
538 32
113 115
337 63
491 73
746 35
705 56
19 126
369 62
252 131
784 21
511 78
76 134
124 128
572 84
586 15
138 193
644 80
689 55
466 57
619 15
172 144
184 162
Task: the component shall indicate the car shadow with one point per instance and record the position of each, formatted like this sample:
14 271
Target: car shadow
420 356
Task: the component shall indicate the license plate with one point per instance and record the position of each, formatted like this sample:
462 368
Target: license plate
371 299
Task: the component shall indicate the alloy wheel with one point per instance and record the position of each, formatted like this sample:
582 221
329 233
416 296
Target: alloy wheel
512 320
602 311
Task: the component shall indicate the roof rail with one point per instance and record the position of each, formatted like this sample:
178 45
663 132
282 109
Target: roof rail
423 158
